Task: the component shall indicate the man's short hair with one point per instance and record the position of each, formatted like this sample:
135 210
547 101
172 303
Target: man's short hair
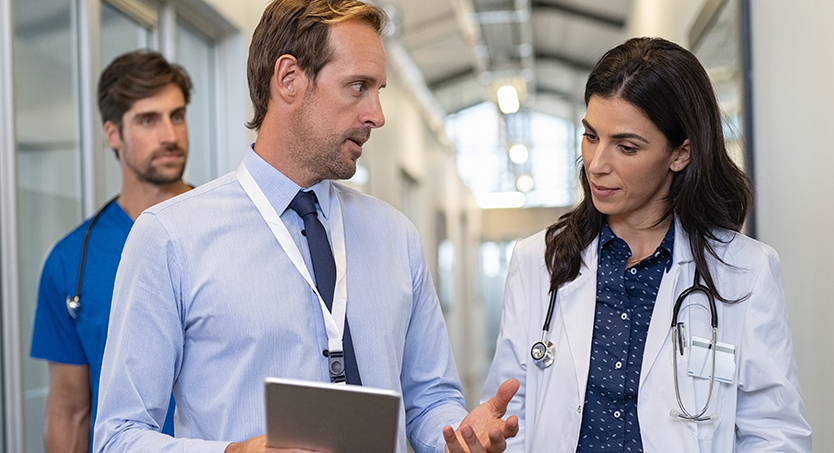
300 28
134 76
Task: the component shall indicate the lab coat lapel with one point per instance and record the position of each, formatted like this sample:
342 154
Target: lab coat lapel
577 302
673 283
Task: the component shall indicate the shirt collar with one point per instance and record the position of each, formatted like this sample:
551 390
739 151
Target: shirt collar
278 188
606 236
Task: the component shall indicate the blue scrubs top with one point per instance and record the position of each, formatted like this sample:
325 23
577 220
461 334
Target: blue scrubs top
58 337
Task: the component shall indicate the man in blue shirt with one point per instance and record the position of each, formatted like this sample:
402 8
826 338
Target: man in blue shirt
142 99
220 288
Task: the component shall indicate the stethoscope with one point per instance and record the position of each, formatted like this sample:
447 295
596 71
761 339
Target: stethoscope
543 351
677 344
74 302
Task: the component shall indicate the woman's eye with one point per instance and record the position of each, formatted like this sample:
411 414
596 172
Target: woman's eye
589 136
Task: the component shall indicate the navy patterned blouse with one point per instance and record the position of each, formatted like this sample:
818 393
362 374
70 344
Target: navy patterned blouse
625 300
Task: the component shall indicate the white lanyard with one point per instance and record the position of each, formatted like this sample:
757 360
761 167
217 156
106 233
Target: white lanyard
334 321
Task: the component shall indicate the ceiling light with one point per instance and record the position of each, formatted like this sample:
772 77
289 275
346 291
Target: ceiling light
496 200
508 99
519 154
524 183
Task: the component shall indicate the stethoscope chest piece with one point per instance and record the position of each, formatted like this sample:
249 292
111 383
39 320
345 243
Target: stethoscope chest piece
543 354
543 351
73 306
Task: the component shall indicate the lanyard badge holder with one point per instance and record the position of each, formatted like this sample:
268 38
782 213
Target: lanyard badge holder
334 319
336 365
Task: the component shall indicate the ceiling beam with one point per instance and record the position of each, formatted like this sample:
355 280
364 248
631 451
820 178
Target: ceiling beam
452 78
549 56
563 8
564 95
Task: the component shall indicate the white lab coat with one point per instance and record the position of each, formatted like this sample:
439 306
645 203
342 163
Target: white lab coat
762 409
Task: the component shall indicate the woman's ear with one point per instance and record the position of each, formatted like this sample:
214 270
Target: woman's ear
680 157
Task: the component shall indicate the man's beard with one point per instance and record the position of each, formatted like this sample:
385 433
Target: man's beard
323 152
162 174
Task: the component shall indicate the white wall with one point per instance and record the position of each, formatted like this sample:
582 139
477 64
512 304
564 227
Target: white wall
792 102
792 70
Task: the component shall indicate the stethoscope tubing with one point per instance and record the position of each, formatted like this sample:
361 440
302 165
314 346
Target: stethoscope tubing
74 302
543 351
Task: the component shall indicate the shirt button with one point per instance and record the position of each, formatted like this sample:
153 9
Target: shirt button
624 316
618 365
617 414
633 270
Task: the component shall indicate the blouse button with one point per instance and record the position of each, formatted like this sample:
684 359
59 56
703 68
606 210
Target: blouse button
624 316
618 365
633 270
617 414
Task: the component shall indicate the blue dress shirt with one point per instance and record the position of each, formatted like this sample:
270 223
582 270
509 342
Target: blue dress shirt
625 301
209 304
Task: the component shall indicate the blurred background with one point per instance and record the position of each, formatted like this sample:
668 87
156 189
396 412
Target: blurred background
479 150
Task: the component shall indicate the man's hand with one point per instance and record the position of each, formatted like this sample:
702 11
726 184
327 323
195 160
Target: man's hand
258 445
483 430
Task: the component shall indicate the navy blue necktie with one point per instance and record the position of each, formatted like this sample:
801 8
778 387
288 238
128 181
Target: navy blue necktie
324 267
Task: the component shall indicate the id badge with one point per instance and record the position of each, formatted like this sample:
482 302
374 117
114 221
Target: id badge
700 360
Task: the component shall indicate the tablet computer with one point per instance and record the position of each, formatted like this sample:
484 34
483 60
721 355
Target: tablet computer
335 418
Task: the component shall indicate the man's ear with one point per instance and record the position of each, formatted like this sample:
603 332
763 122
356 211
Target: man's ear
288 79
112 134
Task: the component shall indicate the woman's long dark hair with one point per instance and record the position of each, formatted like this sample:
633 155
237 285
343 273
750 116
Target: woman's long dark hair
671 87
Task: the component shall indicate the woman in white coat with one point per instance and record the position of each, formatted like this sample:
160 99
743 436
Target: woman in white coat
662 202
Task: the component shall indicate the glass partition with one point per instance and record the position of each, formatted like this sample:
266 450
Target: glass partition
48 172
720 39
195 53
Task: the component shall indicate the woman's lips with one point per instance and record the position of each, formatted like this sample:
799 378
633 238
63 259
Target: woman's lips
602 191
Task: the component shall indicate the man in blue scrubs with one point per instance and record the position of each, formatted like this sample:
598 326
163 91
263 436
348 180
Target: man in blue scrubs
142 99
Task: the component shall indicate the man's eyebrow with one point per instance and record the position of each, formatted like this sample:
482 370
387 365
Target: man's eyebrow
148 114
371 80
